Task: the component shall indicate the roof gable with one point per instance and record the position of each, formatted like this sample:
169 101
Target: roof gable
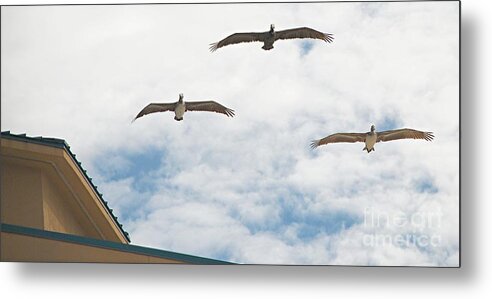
77 166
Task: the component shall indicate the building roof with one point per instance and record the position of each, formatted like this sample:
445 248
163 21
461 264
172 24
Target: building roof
60 143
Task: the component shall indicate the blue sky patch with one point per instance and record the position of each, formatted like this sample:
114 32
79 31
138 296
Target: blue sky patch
329 223
293 210
306 47
426 186
140 166
136 164
388 123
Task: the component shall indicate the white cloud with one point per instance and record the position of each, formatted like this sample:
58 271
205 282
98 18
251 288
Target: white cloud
249 189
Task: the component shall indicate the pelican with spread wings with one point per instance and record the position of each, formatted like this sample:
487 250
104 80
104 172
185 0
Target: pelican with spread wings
269 37
370 138
180 107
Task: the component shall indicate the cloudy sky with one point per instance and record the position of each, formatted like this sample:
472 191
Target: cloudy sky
249 189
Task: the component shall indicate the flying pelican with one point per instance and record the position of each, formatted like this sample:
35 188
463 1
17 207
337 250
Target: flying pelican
269 37
370 138
180 107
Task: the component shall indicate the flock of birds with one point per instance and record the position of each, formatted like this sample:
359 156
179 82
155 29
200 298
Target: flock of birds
268 38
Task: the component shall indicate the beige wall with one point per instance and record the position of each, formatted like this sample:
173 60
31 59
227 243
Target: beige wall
21 248
21 192
34 196
60 211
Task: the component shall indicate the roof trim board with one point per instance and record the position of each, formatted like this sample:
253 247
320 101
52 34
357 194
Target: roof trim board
38 233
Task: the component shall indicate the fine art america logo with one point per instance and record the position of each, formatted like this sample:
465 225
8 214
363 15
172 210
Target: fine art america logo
415 228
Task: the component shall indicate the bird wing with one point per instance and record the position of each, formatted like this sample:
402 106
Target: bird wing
237 38
339 137
404 134
155 107
303 32
211 106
